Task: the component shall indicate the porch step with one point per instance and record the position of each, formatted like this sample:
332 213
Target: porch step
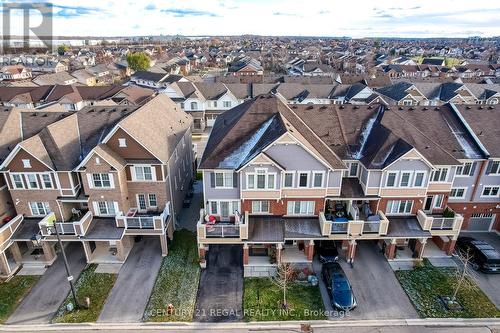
32 270
401 265
108 268
443 262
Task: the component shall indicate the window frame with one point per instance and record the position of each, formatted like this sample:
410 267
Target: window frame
415 176
491 187
395 173
13 181
28 183
46 208
142 167
497 171
122 142
260 204
464 189
284 179
462 168
391 205
262 172
44 185
408 181
155 200
26 163
305 208
93 181
440 172
299 173
227 177
313 182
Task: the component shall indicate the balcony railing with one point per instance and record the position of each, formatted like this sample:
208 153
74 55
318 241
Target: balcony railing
238 229
354 228
152 221
371 227
443 223
140 222
339 227
78 228
440 225
7 230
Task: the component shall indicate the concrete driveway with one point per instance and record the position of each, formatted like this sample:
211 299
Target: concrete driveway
43 301
377 291
489 283
188 217
220 294
130 294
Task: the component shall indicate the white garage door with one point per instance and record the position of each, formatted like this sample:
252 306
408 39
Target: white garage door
481 222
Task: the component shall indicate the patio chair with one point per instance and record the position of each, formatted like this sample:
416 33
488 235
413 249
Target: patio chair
76 212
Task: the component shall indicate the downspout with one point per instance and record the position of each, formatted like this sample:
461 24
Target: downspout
476 183
174 220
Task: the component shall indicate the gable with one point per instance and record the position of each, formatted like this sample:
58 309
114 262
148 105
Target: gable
294 157
96 164
16 164
133 150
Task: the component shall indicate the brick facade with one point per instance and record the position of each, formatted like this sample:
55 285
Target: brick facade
467 209
280 207
418 203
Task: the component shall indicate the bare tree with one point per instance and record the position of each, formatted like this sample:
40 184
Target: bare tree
464 274
283 278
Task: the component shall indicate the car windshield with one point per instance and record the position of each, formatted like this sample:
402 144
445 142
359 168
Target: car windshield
341 285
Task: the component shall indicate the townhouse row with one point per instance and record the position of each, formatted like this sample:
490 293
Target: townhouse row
279 178
103 177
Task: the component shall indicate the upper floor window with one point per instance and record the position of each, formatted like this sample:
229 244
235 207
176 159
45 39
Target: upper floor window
101 180
353 169
31 181
391 179
465 169
439 175
458 193
224 179
26 163
405 179
122 142
194 106
300 207
260 207
317 179
288 179
143 172
105 208
490 191
261 179
493 168
399 206
17 181
227 104
303 179
39 208
47 181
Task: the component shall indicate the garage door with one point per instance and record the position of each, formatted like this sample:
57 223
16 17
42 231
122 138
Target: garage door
481 222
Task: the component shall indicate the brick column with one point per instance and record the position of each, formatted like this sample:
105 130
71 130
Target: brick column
390 250
246 254
451 247
351 250
201 252
48 251
16 252
4 266
310 250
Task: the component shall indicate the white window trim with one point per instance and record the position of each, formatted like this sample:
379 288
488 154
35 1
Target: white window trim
435 200
424 178
224 183
122 142
46 208
399 203
28 182
490 196
440 181
396 179
23 187
308 185
219 211
410 179
462 166
97 211
498 170
26 163
149 200
43 182
306 202
134 174
266 175
260 211
293 179
90 180
322 173
458 188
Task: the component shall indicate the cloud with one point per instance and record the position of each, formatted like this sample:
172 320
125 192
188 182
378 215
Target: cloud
74 11
187 12
151 6
286 14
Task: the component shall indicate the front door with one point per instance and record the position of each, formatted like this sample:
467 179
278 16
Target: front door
428 204
141 202
224 211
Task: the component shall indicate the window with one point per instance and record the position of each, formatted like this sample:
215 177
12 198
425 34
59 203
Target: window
152 200
213 207
47 181
97 161
399 207
303 179
26 164
300 208
493 168
194 106
490 191
223 179
122 142
419 179
39 208
288 179
405 179
318 179
17 181
439 175
458 193
391 179
227 104
215 104
353 169
407 102
438 201
106 208
465 170
261 180
101 180
182 106
259 207
31 180
224 207
143 172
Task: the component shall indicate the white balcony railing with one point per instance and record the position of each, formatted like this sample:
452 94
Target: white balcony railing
443 223
152 221
339 227
140 222
238 229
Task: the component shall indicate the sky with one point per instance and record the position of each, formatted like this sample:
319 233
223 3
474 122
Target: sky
352 18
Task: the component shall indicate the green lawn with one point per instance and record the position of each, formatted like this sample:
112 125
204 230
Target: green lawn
177 281
90 284
12 292
262 301
425 284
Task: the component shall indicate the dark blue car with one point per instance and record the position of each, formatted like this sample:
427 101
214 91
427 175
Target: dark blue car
339 288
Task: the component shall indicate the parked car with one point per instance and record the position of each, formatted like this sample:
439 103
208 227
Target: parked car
484 256
339 288
327 252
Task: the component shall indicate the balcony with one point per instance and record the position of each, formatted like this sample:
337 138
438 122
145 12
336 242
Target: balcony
441 225
151 222
77 227
346 226
208 229
8 229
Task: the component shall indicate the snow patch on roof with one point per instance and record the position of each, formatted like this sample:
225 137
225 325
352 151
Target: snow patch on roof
364 137
469 150
239 155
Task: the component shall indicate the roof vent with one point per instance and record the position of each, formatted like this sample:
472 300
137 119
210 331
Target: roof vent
411 109
342 106
401 108
436 108
90 111
425 109
491 107
294 106
370 107
323 107
310 107
46 115
468 107
481 107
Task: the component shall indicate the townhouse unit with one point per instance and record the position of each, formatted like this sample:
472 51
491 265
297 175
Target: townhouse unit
101 176
278 178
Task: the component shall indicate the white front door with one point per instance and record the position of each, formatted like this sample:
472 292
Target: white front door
141 202
224 211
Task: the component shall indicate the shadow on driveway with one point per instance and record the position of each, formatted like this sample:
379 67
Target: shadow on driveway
220 293
43 301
